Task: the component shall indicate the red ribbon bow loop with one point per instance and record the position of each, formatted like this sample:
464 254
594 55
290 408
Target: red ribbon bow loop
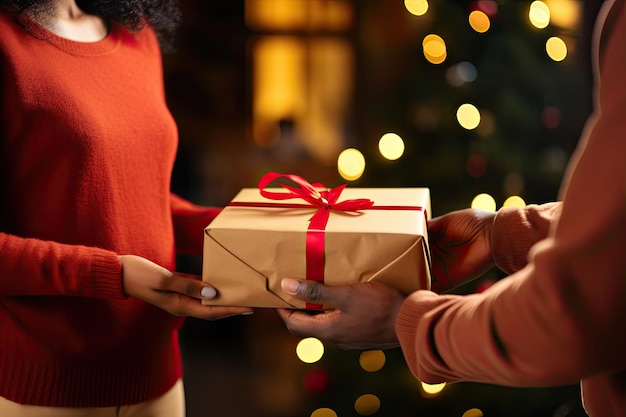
325 200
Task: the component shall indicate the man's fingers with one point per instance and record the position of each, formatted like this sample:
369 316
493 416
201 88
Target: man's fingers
311 291
300 323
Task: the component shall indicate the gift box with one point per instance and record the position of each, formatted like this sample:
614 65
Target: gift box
336 236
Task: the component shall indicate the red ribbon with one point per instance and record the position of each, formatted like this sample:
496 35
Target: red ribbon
315 195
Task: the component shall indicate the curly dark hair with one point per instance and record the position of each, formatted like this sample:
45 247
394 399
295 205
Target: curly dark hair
162 15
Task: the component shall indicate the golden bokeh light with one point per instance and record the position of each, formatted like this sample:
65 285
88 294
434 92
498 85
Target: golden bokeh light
323 412
556 48
391 146
565 13
310 350
351 164
514 201
416 7
432 389
479 21
372 360
484 201
434 49
473 412
539 14
367 404
468 116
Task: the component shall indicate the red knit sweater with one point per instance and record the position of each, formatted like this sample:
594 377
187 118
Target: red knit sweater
87 146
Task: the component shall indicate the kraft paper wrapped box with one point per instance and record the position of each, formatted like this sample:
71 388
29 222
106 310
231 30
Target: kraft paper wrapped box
339 236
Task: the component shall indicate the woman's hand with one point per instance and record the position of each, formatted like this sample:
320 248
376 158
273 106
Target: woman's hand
460 244
364 314
173 293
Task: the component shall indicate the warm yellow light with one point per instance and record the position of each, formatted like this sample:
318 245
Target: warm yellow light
367 404
434 49
276 14
539 14
565 13
323 412
479 21
351 164
484 202
468 116
514 201
556 48
278 84
372 360
473 412
432 389
310 350
298 14
391 146
416 7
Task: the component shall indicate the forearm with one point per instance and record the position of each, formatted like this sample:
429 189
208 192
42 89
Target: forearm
189 222
38 267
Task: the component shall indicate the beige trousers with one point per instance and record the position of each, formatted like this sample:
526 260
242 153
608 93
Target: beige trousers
170 404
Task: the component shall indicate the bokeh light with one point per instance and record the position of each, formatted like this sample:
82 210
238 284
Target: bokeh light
484 201
513 183
489 7
432 389
461 73
323 412
316 380
556 48
367 404
310 350
372 360
473 412
479 21
391 146
434 49
468 116
539 14
416 7
514 201
351 164
565 13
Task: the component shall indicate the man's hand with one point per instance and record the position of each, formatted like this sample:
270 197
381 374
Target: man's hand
173 293
460 243
363 315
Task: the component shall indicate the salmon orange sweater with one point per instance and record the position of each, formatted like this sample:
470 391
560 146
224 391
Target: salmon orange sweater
561 317
87 147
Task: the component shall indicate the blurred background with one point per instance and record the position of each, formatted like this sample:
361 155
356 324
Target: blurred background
482 102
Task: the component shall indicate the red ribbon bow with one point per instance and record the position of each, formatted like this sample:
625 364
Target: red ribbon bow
316 196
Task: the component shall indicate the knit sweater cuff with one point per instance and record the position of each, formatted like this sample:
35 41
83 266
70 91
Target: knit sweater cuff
516 230
412 311
107 275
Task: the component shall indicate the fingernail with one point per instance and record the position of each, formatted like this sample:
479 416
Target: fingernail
208 292
247 313
290 285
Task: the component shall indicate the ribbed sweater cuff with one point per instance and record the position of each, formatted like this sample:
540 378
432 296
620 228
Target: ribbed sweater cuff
107 275
516 230
407 324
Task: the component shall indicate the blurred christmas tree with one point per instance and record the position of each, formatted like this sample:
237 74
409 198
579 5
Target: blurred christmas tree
532 108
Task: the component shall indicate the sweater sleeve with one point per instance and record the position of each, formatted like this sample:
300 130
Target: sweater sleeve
38 267
189 222
558 319
516 230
